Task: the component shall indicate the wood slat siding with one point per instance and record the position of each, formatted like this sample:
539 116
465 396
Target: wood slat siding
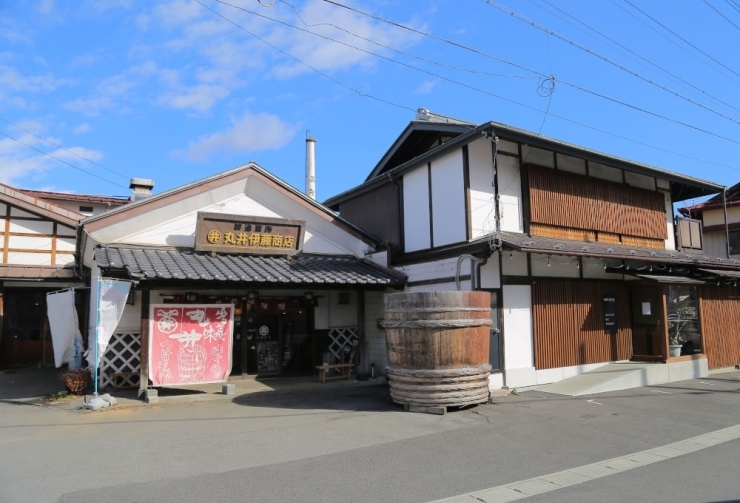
575 201
375 212
569 323
643 242
548 231
720 323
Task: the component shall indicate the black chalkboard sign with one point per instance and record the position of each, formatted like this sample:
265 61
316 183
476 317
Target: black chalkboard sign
610 314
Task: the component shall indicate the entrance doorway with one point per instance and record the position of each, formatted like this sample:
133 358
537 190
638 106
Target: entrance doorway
648 325
272 343
25 331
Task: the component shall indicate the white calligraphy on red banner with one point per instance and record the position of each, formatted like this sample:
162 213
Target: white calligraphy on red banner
190 343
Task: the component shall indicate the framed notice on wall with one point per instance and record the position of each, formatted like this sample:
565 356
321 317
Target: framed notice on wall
190 343
610 314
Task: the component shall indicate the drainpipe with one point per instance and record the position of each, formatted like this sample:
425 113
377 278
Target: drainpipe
474 261
727 228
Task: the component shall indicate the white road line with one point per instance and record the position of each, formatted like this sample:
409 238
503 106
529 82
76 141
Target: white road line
553 481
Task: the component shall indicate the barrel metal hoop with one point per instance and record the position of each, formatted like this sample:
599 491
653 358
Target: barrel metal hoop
439 373
465 322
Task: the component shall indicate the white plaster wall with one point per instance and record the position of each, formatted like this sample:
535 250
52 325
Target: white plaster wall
538 156
663 184
3 209
638 180
508 146
380 258
433 270
560 267
571 164
30 243
518 347
330 314
593 268
416 209
490 273
32 226
375 349
514 263
16 212
482 207
604 172
21 258
66 245
670 242
63 230
64 259
448 199
717 217
510 194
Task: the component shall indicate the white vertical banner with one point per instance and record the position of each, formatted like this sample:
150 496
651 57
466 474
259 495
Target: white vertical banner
112 295
64 327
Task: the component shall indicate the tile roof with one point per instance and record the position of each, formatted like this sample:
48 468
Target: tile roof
553 246
169 263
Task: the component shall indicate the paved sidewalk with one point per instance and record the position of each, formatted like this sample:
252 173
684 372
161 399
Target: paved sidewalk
32 385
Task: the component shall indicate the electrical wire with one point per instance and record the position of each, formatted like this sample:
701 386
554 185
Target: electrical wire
62 148
655 65
323 74
680 37
605 58
725 17
62 161
523 105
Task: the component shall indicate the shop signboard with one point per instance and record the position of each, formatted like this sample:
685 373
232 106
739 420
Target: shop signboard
190 343
224 233
610 314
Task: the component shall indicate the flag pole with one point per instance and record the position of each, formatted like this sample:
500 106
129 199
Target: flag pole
97 329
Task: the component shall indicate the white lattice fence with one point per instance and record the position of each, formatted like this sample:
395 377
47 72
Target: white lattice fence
123 355
342 344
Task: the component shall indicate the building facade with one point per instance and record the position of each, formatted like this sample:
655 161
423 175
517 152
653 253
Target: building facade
578 248
296 276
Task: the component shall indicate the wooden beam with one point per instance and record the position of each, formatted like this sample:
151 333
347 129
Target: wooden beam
144 350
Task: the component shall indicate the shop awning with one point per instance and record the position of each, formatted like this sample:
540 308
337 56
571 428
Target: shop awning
171 263
669 279
721 273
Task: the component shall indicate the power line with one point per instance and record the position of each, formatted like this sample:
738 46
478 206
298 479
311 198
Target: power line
323 74
733 4
725 17
574 86
604 58
62 148
680 37
523 105
62 161
667 72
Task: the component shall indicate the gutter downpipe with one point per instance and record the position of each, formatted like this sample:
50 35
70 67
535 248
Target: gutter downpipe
727 227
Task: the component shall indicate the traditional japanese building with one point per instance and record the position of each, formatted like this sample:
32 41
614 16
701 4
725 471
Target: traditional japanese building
578 249
297 279
37 255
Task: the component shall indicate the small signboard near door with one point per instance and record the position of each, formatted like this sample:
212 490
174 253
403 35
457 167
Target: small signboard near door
610 314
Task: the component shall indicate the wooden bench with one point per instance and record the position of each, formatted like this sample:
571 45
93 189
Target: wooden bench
119 380
346 369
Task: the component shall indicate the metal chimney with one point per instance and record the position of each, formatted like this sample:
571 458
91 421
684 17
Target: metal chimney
311 167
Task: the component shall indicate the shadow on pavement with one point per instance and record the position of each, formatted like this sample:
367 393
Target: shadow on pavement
359 399
29 383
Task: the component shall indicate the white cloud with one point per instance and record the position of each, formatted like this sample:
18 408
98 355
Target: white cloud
200 98
90 106
425 88
249 133
82 128
23 166
11 79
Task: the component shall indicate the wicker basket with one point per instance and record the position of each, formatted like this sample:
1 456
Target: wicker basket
77 381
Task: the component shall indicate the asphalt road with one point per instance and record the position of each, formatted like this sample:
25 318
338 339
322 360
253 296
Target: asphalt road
353 445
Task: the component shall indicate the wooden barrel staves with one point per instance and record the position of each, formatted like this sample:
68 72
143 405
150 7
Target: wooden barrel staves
437 347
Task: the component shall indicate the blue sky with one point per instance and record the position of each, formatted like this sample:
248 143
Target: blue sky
179 90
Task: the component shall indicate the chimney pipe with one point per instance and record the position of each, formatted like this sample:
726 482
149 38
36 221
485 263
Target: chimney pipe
141 188
311 168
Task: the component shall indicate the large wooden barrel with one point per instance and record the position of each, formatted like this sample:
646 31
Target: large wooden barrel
437 347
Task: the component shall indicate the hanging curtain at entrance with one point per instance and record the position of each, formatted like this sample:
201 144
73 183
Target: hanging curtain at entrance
65 333
112 295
